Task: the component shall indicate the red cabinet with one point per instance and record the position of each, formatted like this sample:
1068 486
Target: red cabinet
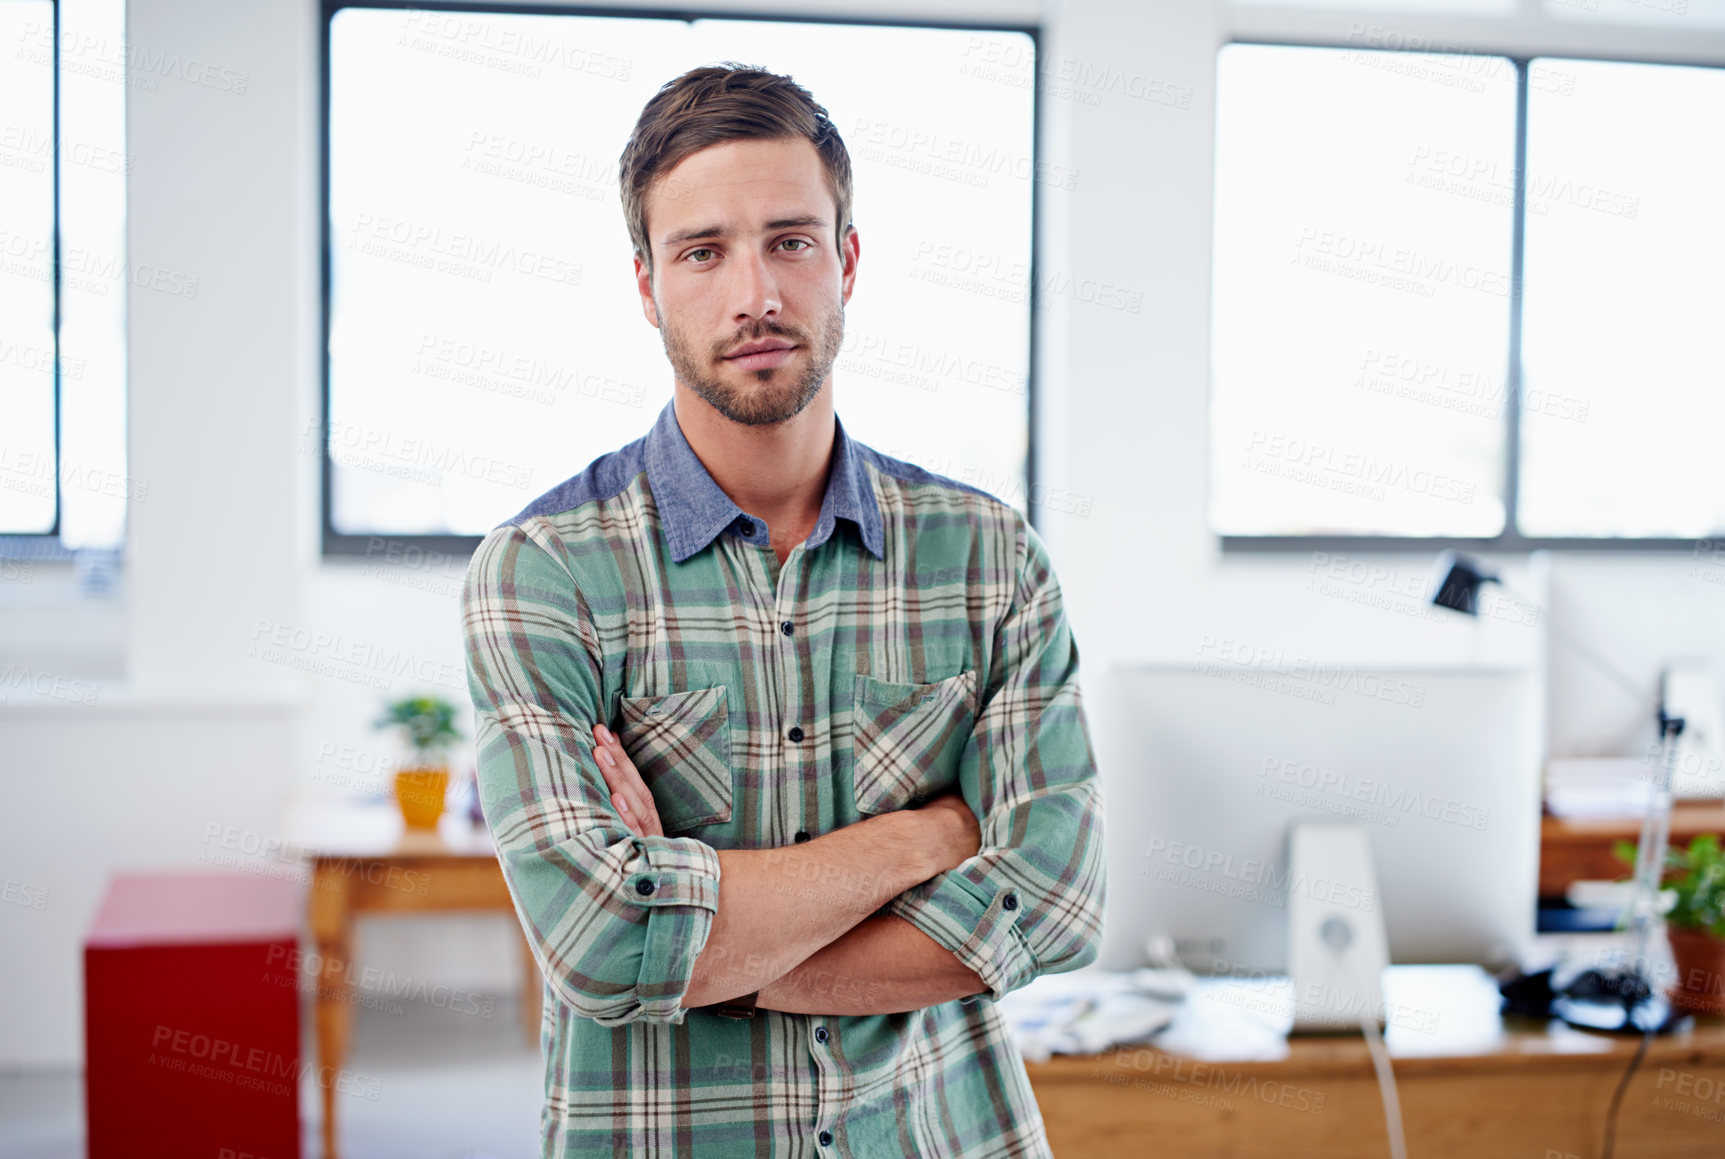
191 1017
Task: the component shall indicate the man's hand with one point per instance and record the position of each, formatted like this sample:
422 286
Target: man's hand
628 791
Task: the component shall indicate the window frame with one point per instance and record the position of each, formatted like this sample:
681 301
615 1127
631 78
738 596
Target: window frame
337 544
1510 540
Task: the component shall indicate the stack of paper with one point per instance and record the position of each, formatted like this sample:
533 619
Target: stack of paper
1089 1010
1597 788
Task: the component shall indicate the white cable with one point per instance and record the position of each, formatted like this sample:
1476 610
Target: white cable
1386 1085
1379 1052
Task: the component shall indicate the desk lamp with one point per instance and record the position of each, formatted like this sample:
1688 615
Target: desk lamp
1618 999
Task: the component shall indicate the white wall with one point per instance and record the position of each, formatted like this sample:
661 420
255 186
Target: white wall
198 732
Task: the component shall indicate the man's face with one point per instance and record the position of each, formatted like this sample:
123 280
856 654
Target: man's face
745 253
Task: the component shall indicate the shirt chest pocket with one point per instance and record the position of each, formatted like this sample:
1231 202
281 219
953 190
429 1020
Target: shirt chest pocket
908 739
680 743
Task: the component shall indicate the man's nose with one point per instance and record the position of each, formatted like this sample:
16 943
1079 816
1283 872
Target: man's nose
755 292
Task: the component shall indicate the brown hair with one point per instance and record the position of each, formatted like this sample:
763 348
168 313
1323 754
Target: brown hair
727 102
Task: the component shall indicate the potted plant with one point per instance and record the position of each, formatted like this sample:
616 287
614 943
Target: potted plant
1695 921
429 725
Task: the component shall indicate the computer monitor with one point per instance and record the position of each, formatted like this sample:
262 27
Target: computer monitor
1207 767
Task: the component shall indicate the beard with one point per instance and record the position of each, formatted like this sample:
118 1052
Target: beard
767 396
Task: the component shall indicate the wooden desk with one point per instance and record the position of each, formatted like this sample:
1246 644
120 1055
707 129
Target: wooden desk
1572 851
1470 1086
364 861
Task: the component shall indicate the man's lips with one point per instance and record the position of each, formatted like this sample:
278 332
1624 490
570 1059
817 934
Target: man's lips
760 359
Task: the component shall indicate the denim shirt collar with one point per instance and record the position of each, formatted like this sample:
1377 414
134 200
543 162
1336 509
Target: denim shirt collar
693 509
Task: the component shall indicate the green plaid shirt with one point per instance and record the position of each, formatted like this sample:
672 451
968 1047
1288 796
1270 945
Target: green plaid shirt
915 644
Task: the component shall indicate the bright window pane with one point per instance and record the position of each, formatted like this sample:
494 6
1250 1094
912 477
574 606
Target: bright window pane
486 339
1361 293
27 463
1624 320
91 471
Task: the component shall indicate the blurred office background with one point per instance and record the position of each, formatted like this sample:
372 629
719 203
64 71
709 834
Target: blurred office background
1226 296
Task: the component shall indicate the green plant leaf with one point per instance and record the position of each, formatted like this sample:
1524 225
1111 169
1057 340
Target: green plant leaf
427 721
1696 875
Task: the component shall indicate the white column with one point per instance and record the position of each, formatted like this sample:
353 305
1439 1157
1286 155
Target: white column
222 330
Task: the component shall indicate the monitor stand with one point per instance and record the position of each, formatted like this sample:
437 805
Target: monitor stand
1337 946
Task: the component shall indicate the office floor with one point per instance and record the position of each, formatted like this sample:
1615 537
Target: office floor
450 1085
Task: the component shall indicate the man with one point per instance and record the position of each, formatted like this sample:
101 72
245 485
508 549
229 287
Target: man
780 738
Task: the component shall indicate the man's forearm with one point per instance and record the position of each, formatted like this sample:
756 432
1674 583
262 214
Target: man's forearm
778 906
882 966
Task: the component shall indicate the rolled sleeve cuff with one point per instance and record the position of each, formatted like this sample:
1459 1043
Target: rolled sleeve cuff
677 880
978 922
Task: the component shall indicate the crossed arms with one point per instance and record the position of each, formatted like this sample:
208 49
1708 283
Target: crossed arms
781 928
982 891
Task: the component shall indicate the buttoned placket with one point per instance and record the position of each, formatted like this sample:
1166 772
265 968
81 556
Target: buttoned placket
794 737
822 1034
791 712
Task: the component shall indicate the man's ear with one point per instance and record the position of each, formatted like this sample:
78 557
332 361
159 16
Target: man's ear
850 252
644 285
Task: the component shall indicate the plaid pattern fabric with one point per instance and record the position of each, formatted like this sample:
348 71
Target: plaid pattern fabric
918 643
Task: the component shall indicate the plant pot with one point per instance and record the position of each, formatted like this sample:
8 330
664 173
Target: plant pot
420 792
1700 961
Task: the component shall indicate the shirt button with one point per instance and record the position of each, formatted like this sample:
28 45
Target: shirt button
820 1034
802 836
787 627
1010 902
826 1138
745 527
643 887
795 733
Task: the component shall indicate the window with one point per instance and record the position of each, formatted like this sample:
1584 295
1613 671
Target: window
1624 321
29 501
63 277
62 199
1466 298
1359 309
485 339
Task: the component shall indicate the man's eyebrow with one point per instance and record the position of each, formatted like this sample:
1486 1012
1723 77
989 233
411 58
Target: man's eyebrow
702 233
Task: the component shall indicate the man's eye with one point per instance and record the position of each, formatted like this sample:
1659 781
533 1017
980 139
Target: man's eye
797 240
702 250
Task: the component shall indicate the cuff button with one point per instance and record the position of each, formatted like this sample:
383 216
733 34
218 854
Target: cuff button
1010 901
643 887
